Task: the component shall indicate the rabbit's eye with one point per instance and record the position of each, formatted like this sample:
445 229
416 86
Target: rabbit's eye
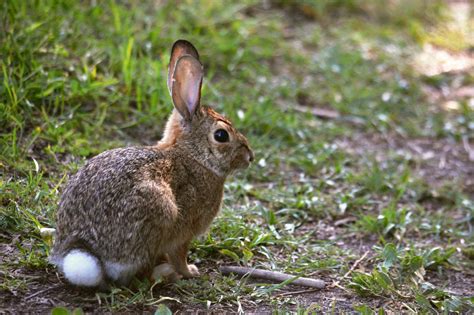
221 135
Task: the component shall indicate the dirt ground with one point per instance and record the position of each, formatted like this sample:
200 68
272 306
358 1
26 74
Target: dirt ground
47 289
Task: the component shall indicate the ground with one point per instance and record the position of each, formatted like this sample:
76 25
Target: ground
360 113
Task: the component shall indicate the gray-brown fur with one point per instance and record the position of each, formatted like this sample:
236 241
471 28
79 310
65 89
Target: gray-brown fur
138 205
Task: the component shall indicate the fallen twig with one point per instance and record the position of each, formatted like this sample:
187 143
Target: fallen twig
297 292
344 221
354 266
273 276
336 284
318 112
40 292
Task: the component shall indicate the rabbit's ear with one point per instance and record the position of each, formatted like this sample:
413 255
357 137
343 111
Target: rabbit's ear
186 86
180 48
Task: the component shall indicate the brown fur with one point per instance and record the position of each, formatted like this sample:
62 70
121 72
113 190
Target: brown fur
137 205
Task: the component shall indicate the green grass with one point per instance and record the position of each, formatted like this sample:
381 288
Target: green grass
80 78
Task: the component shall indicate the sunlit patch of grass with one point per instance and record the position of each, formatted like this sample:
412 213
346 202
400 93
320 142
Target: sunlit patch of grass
449 38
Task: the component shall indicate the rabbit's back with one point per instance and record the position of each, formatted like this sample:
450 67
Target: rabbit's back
107 202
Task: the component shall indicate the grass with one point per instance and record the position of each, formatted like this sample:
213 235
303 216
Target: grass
81 78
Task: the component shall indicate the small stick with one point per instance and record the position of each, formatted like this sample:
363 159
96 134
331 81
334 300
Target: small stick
296 292
272 275
318 112
336 283
355 265
345 221
40 292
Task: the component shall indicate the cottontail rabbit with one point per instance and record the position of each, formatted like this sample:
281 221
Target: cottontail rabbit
129 209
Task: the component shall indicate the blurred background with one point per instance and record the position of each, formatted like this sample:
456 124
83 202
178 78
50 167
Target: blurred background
361 114
393 65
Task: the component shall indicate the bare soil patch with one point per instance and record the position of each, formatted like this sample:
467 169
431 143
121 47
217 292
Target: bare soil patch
437 161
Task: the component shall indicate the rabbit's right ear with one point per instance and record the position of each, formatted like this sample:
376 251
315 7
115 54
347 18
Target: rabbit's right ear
180 48
186 86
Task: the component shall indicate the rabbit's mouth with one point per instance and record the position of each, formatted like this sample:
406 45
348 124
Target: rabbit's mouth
243 159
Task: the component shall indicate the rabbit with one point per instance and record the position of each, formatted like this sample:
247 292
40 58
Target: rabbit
130 209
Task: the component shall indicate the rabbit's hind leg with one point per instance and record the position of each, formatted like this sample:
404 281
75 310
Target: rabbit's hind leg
166 272
120 273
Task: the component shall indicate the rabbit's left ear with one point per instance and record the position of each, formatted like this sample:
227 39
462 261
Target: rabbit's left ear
186 86
180 48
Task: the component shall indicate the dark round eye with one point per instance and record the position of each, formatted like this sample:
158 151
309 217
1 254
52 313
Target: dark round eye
221 135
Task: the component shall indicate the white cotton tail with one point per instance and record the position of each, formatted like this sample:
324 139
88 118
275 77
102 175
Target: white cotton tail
82 268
